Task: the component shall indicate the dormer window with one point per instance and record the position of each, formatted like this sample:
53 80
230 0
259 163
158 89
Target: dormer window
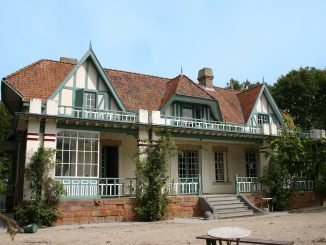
186 111
90 99
263 119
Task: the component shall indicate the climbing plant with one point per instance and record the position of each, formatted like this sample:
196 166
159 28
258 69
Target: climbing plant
151 168
290 156
42 208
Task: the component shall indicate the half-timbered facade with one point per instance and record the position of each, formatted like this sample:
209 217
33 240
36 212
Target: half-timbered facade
97 118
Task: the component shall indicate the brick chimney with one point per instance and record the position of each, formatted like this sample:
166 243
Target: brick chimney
69 60
205 77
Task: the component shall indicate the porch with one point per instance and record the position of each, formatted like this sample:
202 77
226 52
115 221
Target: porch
93 188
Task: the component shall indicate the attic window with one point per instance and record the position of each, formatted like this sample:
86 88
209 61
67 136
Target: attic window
90 100
263 119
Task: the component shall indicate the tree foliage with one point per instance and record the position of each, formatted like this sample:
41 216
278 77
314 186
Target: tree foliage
302 93
291 156
151 168
42 209
236 85
5 159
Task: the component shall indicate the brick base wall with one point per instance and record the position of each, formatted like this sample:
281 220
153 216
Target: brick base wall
298 200
305 199
118 209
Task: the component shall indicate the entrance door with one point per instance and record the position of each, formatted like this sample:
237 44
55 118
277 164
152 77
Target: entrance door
110 162
188 164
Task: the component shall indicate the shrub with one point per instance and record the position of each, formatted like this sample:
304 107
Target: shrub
151 167
42 209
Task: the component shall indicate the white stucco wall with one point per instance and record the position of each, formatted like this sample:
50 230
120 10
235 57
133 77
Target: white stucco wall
127 148
235 163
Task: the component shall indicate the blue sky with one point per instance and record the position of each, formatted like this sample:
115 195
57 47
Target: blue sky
244 39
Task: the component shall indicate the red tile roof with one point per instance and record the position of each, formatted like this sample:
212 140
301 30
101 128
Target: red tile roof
229 104
248 99
137 91
39 79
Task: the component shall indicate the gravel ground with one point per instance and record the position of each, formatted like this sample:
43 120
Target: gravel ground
303 227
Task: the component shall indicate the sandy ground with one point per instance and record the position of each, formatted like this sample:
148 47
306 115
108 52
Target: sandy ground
304 227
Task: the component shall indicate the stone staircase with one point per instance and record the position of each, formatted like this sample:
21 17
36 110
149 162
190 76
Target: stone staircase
227 206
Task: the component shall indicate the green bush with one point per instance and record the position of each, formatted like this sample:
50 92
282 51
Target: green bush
36 212
151 167
42 209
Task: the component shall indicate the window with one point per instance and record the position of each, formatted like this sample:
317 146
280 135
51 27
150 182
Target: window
90 99
188 164
251 166
220 168
77 154
187 111
263 119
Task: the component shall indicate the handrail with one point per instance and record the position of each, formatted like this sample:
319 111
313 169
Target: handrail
208 124
119 187
98 114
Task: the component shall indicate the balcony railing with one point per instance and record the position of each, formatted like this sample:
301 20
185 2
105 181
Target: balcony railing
251 184
79 188
209 125
96 114
247 184
301 134
184 186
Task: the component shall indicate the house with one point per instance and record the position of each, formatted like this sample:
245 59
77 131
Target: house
97 118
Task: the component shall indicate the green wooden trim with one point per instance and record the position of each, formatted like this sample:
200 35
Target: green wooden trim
97 81
213 137
42 126
270 100
86 74
213 104
273 105
60 94
133 132
90 54
74 80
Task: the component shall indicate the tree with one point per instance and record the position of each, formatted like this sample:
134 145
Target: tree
5 121
236 85
302 93
42 209
151 167
5 161
290 156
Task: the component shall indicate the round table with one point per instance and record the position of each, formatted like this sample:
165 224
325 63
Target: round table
228 234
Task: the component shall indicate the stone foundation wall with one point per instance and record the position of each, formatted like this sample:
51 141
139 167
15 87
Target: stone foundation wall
119 209
305 199
300 199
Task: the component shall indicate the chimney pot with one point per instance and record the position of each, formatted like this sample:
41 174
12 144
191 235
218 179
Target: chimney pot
205 77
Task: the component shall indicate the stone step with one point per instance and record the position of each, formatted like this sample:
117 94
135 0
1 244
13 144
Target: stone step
235 214
232 210
226 198
223 202
228 206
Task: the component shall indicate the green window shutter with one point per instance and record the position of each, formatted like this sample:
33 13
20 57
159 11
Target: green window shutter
79 98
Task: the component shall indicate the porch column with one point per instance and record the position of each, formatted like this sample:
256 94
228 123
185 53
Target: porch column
50 133
263 161
33 140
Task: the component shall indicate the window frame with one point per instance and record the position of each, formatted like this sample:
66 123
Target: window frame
88 93
64 168
223 169
185 166
263 119
251 166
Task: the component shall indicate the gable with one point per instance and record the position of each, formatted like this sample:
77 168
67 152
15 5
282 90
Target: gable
265 106
87 78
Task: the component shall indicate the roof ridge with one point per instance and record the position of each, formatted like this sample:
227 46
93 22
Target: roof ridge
250 89
227 89
24 68
35 63
137 73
